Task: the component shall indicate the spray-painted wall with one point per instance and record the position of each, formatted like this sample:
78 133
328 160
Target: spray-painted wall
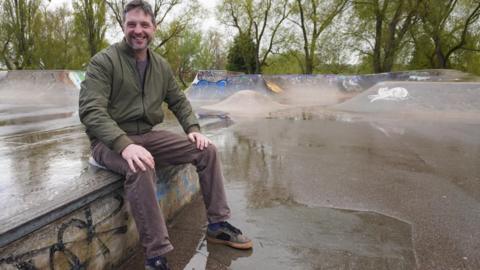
99 235
217 85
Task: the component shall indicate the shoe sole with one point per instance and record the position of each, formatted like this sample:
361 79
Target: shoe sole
247 245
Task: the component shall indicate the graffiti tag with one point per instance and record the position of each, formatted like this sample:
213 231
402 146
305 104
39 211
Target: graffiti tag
395 94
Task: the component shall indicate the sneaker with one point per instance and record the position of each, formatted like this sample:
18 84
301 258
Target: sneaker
228 235
157 263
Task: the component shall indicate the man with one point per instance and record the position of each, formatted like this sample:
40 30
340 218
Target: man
120 102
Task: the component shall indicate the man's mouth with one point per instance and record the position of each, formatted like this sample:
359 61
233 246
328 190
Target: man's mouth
139 39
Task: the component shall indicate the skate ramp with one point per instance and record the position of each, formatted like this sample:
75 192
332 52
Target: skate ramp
248 103
211 86
306 90
38 100
326 89
60 212
460 100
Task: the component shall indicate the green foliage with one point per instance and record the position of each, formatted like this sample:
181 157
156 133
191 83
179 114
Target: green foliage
90 23
382 27
260 20
59 46
181 52
285 63
20 25
40 38
314 17
212 54
241 55
448 29
382 35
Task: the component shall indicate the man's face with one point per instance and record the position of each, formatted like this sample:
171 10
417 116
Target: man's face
138 29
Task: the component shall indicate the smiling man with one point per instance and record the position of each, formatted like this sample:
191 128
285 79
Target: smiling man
120 102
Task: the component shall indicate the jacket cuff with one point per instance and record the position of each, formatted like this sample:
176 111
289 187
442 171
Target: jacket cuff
120 143
193 128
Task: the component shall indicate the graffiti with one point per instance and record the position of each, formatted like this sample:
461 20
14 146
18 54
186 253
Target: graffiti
205 84
59 249
352 84
210 76
418 78
395 94
227 86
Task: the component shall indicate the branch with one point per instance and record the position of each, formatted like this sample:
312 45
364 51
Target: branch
470 20
471 49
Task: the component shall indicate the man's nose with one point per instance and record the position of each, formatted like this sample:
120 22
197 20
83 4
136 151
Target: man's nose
138 29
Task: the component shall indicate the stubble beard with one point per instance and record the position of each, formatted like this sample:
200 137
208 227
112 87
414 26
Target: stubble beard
135 46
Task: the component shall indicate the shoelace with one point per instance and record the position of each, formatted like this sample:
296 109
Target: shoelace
229 227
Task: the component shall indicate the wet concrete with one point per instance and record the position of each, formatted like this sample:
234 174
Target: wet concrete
42 171
320 194
336 190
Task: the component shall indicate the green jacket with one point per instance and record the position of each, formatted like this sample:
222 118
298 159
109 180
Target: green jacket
112 104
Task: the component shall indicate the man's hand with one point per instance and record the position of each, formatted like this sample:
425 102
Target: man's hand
201 140
136 155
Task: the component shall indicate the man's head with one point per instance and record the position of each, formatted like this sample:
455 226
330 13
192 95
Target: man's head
138 24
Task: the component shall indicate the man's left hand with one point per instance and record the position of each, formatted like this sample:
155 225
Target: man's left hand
199 139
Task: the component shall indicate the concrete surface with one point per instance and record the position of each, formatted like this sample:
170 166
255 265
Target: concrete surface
58 211
348 177
322 194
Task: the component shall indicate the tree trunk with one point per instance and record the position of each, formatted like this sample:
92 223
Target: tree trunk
440 59
377 63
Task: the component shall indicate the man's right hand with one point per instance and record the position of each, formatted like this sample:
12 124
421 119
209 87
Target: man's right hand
136 155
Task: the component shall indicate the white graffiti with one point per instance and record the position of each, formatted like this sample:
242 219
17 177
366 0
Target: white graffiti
418 78
396 94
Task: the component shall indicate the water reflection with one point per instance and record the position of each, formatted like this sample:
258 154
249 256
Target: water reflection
254 163
425 173
39 169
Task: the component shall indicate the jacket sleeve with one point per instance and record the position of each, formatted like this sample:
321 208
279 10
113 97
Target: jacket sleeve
93 104
179 104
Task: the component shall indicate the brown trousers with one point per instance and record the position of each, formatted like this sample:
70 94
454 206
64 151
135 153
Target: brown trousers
167 148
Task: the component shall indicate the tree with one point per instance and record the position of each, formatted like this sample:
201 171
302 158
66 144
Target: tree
241 55
314 17
211 55
448 27
289 62
382 25
89 18
19 22
181 52
259 20
56 45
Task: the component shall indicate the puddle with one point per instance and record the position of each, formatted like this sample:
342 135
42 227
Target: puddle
287 179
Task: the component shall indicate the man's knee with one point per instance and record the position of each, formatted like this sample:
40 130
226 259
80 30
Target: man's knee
139 175
211 150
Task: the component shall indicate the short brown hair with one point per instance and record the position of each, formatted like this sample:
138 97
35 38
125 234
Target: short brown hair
143 5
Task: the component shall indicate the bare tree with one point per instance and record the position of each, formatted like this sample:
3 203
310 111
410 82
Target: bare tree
314 17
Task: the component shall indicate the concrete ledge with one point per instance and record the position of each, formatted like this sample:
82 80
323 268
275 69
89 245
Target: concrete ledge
99 235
